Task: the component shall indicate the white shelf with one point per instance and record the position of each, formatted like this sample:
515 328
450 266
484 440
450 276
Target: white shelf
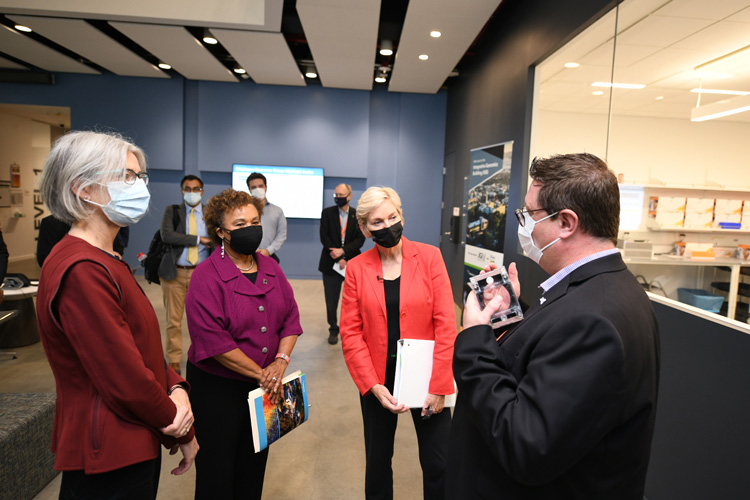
689 230
694 187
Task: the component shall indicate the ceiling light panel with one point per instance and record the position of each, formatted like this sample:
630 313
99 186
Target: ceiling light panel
175 46
245 14
459 22
265 56
343 39
87 41
24 48
661 31
700 9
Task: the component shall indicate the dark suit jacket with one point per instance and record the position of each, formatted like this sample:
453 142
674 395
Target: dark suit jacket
563 406
330 237
175 237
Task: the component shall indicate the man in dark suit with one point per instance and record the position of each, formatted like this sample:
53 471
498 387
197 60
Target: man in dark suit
341 239
190 245
562 404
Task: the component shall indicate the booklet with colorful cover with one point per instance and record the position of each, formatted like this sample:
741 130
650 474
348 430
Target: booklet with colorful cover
272 421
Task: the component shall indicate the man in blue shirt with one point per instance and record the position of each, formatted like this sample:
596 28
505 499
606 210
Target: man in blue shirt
272 220
190 245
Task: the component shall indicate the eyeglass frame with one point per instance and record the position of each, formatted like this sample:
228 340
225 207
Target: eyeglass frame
520 211
139 175
192 190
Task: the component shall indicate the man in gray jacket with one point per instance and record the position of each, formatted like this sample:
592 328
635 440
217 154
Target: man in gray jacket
190 245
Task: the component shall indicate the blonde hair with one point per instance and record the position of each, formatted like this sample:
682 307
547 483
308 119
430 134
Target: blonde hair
372 198
79 160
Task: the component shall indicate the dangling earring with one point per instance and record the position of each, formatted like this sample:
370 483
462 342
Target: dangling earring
222 249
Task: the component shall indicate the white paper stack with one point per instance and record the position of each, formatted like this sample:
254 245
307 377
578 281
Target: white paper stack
413 372
727 211
670 212
699 213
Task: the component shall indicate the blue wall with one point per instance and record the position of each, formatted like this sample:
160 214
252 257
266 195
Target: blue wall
361 138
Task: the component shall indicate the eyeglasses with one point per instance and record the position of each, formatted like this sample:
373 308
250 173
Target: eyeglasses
335 195
131 177
520 211
192 190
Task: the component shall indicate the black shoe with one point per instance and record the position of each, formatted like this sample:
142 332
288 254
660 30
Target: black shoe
333 339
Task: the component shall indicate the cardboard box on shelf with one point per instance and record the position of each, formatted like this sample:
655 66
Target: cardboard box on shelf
700 205
702 220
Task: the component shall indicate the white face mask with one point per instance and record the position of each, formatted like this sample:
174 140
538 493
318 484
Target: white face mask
526 240
191 199
128 203
259 193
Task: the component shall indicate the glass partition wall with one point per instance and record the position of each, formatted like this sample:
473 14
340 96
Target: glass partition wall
661 90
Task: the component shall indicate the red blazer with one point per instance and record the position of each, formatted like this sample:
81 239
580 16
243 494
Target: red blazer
102 339
427 312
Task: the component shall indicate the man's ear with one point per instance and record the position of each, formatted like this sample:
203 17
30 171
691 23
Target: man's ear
568 221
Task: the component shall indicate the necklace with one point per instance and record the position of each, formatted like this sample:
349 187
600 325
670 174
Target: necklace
252 265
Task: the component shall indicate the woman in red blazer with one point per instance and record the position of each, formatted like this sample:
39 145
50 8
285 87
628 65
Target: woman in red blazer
399 289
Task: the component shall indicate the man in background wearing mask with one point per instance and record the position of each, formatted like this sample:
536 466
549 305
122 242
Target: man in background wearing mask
273 220
190 245
561 404
341 239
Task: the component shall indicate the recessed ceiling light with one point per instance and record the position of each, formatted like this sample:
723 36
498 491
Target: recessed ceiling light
618 85
380 79
165 66
435 34
717 91
240 71
660 98
310 72
423 57
598 92
21 27
210 40
571 64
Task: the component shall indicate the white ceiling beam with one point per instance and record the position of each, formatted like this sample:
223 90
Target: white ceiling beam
343 39
28 50
87 41
265 56
459 24
175 46
262 15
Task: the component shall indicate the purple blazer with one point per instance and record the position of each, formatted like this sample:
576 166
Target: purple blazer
225 310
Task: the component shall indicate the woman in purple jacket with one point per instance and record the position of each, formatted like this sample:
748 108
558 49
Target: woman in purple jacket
243 323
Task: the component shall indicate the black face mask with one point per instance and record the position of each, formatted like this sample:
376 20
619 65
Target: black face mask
388 236
246 240
341 201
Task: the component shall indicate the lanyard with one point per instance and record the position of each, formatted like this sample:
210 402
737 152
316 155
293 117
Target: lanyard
343 229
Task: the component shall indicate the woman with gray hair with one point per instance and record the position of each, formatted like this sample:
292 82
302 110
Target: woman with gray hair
117 400
399 289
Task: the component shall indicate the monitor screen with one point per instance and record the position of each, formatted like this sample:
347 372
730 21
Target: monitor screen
297 190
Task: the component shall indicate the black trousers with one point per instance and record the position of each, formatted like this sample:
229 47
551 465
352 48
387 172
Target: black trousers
380 430
332 290
227 466
135 482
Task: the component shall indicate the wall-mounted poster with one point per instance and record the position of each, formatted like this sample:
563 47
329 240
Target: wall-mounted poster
487 206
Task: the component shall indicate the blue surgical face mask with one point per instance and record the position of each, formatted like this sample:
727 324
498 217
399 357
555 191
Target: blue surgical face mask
191 199
128 203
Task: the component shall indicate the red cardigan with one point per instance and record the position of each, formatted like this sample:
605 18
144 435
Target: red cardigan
427 312
102 339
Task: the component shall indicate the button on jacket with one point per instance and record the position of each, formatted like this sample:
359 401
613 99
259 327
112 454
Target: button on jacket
225 310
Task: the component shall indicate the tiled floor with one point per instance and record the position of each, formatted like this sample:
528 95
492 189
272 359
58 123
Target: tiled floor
322 460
